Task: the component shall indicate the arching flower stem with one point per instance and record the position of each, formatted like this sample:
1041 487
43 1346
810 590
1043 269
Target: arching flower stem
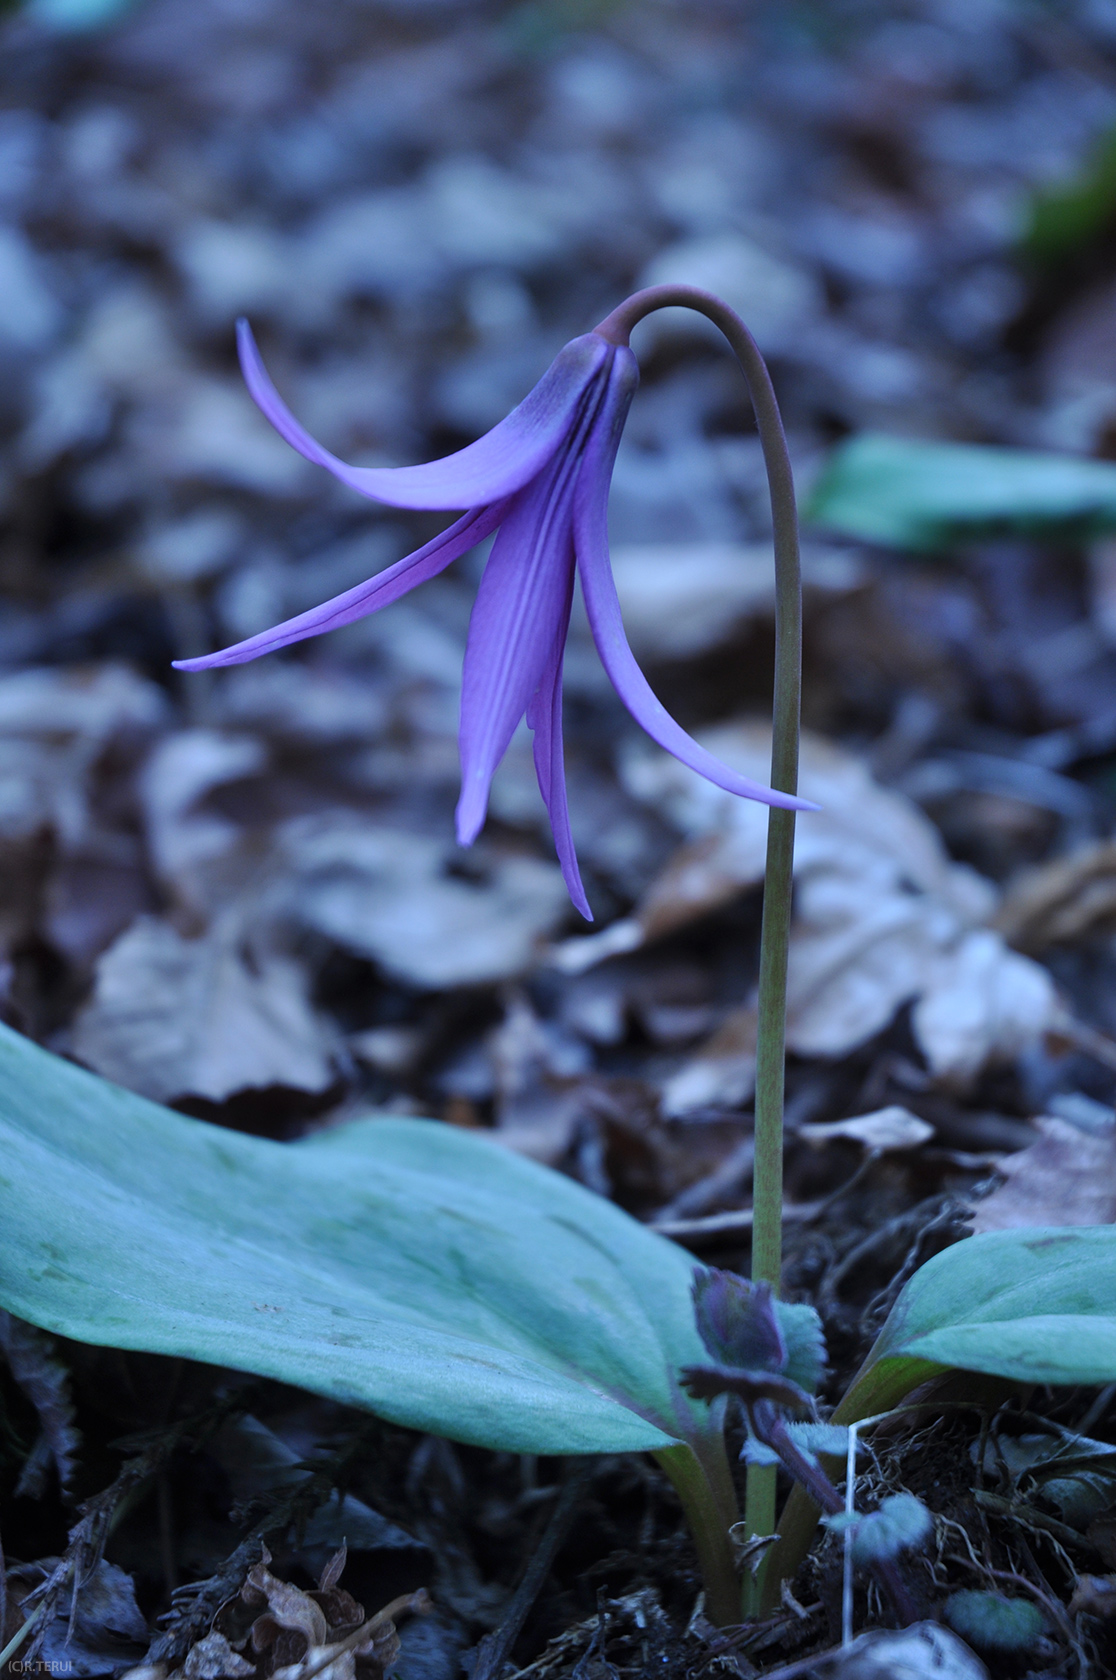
767 1224
540 479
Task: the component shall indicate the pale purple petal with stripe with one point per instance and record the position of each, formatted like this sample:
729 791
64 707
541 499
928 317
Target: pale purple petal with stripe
542 475
365 598
603 607
501 462
516 621
544 716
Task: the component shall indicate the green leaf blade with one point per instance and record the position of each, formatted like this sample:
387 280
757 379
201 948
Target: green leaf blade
1042 1348
1014 1304
399 1265
992 1622
1032 1305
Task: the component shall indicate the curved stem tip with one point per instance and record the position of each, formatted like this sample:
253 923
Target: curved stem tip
775 937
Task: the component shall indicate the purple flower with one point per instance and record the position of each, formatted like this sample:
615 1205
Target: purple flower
542 476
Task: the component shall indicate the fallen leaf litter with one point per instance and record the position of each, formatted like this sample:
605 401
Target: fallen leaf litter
271 855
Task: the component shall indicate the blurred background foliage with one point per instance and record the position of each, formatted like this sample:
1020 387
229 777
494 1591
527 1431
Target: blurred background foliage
417 204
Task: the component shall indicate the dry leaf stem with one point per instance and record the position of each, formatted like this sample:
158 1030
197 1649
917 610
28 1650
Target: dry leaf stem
417 1603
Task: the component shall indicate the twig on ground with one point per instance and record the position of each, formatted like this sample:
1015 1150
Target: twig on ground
194 1605
495 1647
417 1603
1027 1516
728 1224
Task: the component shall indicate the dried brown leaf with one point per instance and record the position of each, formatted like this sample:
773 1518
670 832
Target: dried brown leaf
981 1003
1070 899
55 725
98 1631
298 1639
882 917
193 847
405 900
888 1128
680 600
1067 1178
1094 1595
173 1017
288 1608
721 1072
334 1570
213 1658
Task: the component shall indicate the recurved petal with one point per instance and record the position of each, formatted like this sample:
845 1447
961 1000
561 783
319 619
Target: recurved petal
602 605
518 617
495 466
365 598
544 716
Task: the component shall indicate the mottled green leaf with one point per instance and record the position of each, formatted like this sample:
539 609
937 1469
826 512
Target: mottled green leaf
1037 1305
400 1265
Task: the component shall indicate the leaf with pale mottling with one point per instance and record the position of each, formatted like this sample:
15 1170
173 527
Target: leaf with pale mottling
400 1265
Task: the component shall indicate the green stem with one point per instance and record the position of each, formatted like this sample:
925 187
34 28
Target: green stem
705 1508
20 1635
767 1227
760 1499
768 1175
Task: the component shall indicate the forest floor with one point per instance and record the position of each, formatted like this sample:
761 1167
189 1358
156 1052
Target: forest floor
239 893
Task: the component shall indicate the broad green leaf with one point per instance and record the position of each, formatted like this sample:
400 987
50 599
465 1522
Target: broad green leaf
1037 1305
400 1265
925 496
1034 1305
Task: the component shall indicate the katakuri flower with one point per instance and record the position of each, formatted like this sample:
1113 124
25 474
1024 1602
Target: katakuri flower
541 477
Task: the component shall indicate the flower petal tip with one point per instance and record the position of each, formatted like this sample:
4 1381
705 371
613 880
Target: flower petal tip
468 822
580 903
246 348
213 661
774 798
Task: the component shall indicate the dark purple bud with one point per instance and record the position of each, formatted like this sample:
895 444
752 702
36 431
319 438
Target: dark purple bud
736 1320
